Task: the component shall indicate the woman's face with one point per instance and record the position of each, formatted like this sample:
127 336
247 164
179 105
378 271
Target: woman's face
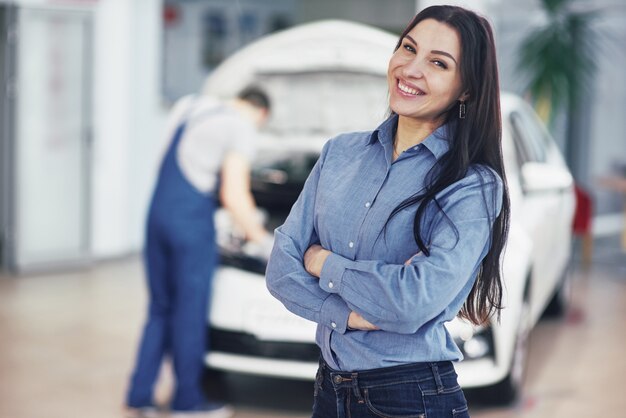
424 75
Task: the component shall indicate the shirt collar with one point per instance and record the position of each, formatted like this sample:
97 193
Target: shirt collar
437 143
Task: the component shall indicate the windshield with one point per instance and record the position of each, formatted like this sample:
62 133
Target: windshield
324 102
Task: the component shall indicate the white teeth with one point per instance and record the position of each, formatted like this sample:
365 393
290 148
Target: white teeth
409 90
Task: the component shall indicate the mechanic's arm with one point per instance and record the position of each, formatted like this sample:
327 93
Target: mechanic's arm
236 197
403 297
286 278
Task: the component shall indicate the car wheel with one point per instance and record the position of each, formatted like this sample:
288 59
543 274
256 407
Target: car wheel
557 307
509 389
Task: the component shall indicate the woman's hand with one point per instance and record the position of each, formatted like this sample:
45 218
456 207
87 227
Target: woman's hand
356 321
410 260
314 259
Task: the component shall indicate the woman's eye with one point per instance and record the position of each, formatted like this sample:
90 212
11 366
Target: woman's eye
440 64
408 47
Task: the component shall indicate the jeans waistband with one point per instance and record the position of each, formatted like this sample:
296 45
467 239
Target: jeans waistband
416 372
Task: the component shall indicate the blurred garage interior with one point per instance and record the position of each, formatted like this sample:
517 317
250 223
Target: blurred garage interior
85 88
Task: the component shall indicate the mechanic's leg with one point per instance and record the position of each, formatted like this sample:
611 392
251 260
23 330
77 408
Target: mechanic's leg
154 340
195 264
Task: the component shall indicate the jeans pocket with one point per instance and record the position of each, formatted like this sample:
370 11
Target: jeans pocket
461 412
446 399
446 404
395 400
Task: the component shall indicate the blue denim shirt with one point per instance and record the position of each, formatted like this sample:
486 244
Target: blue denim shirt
345 206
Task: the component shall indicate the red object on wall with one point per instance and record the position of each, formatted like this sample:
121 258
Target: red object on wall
583 213
171 14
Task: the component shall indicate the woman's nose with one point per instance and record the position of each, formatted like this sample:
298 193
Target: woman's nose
414 69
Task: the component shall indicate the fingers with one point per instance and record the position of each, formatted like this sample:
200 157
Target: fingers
356 321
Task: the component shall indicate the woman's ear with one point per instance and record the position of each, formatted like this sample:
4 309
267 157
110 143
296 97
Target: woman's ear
464 96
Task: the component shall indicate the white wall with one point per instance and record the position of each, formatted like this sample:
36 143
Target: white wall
112 112
149 112
128 121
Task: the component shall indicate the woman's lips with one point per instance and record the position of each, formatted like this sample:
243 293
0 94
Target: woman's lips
413 91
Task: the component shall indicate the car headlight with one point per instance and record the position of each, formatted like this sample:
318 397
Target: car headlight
477 344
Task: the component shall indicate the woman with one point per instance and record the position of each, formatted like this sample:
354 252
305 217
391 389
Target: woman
399 229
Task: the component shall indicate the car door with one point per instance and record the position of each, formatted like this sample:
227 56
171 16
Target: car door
546 181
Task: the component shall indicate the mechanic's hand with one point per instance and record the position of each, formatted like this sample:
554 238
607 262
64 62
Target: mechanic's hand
314 259
260 248
356 321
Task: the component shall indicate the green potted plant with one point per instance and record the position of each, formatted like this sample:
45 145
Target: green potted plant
557 60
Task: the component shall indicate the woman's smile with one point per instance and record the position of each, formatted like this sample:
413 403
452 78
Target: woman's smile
407 89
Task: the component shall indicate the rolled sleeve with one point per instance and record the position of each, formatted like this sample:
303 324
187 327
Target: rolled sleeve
332 273
334 314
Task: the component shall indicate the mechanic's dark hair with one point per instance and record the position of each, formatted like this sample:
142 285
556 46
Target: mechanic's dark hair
256 97
475 139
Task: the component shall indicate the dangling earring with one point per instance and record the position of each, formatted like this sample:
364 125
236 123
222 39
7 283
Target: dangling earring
462 110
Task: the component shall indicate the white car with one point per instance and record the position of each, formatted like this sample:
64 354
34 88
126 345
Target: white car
330 77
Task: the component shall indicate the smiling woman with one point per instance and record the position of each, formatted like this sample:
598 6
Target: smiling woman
399 229
424 79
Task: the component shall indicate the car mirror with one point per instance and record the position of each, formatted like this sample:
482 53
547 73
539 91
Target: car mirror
541 177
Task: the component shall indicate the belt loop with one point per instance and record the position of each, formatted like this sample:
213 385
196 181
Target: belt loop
435 370
355 387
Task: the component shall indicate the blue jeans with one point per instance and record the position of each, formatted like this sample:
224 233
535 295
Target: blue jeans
418 390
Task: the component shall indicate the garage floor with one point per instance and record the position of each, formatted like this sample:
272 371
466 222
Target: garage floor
67 342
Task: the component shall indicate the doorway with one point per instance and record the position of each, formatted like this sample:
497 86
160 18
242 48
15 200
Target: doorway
46 137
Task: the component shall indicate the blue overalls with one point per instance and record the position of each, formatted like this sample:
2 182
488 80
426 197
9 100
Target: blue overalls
180 259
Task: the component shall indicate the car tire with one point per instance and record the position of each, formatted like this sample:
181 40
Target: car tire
558 305
509 389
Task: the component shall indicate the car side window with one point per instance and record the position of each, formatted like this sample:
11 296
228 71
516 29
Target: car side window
529 138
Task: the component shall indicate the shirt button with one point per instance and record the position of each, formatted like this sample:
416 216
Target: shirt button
368 204
351 244
331 285
333 324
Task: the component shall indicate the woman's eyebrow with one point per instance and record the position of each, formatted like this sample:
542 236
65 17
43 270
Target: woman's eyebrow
411 39
434 51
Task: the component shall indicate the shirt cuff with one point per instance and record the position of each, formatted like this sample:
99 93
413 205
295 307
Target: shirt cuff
335 313
331 276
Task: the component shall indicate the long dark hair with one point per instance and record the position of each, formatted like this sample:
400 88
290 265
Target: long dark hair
476 139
